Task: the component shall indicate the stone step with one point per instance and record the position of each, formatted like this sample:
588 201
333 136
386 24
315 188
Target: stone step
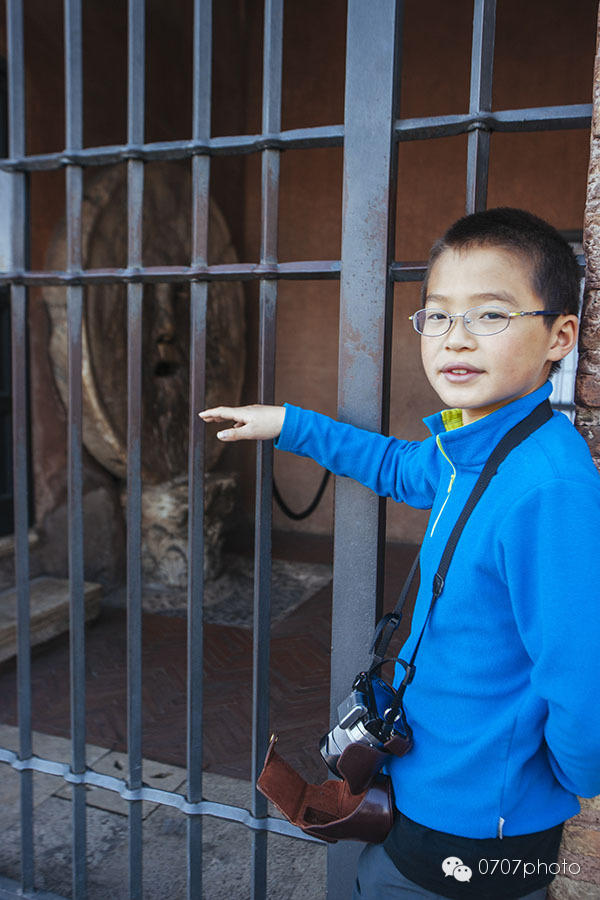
7 543
49 606
7 558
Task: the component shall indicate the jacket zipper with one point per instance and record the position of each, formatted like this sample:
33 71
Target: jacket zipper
452 477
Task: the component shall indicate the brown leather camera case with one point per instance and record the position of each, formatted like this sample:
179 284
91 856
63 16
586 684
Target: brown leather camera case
329 810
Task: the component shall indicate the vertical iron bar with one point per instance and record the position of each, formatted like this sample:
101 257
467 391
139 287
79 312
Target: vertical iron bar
199 295
18 294
74 194
135 198
271 123
372 52
482 64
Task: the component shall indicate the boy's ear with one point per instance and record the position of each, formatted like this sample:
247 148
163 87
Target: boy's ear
564 337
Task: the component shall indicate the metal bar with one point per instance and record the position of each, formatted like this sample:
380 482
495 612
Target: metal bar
409 271
323 270
74 196
372 47
271 122
542 118
482 64
73 77
262 584
76 579
19 404
298 138
134 593
319 269
195 579
18 220
135 196
153 795
199 297
545 118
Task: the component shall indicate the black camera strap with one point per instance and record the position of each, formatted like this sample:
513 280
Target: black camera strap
389 623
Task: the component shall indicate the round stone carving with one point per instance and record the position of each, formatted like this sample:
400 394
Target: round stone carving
166 323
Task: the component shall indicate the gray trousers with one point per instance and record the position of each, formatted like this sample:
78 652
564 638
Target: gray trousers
379 879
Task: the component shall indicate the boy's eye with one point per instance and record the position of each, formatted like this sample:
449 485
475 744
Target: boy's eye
489 315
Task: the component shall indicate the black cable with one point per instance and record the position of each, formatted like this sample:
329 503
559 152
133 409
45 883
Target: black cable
309 509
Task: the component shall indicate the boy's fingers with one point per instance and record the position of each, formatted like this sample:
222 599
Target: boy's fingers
228 414
237 433
254 422
219 413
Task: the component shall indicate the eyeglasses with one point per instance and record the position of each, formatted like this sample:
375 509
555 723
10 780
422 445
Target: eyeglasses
480 320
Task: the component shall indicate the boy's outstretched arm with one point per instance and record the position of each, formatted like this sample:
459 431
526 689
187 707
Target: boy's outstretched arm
390 467
256 422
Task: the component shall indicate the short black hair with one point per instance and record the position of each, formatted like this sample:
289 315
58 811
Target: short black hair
554 267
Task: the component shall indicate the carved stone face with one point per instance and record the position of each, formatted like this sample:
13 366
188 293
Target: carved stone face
165 323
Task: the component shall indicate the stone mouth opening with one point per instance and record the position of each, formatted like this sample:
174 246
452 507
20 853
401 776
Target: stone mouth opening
164 369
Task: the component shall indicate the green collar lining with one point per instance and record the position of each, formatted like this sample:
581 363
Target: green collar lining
452 418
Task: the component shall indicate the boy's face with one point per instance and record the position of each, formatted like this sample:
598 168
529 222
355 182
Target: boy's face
479 374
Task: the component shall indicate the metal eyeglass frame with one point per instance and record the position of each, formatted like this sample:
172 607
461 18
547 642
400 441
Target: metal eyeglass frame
464 316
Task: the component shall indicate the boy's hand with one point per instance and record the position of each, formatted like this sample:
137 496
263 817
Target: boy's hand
256 422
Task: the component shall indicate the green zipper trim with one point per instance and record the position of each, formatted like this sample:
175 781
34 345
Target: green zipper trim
452 477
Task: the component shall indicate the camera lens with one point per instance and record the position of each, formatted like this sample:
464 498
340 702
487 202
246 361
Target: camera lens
330 752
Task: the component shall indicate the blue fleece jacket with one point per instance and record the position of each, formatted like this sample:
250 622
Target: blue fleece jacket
503 706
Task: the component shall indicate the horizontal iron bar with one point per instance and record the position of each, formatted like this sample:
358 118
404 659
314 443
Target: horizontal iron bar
321 269
539 118
293 139
153 795
409 271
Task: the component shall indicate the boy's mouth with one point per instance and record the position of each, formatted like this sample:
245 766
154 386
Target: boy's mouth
460 374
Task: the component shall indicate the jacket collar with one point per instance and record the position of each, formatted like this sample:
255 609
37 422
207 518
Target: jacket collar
470 445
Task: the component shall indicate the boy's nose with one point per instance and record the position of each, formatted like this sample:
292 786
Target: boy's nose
458 336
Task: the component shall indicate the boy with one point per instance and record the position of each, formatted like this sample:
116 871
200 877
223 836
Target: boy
502 706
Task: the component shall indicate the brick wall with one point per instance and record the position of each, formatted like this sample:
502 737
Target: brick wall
578 862
579 856
588 375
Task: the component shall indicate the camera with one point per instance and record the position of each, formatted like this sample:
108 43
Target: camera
364 717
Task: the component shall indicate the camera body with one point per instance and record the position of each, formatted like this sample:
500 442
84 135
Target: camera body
363 717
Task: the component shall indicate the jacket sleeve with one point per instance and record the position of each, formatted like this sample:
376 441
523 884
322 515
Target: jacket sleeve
393 468
549 545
